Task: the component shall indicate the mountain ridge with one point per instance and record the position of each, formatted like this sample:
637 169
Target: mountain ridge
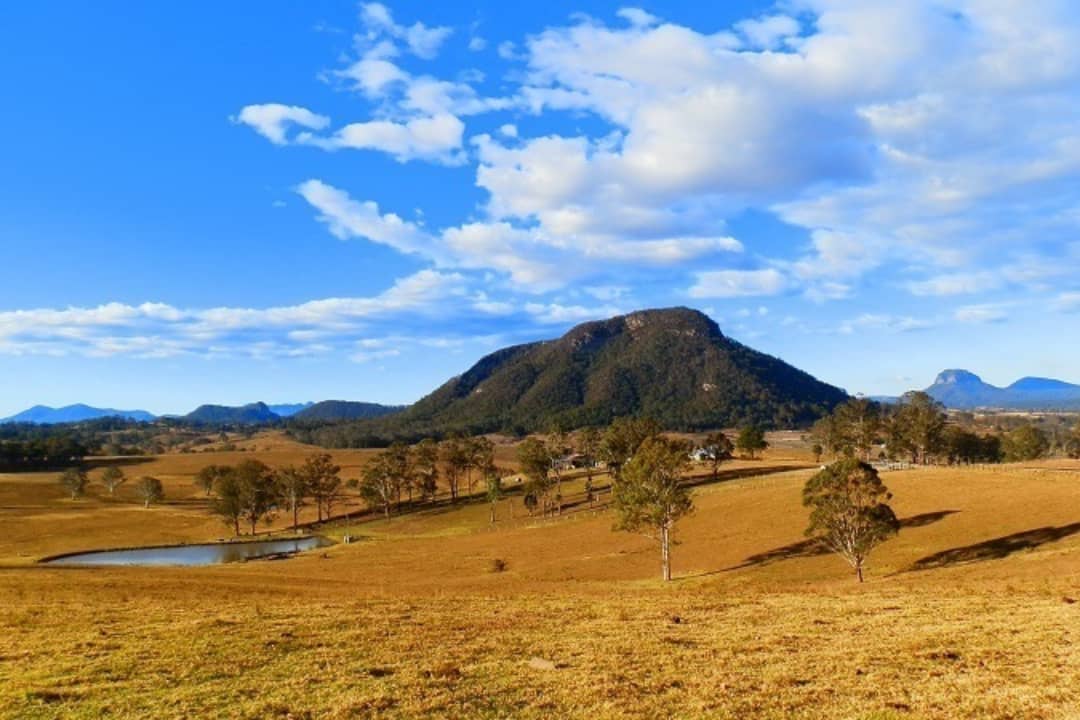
964 390
672 364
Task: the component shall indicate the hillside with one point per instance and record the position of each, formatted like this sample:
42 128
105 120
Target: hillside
963 390
673 365
44 415
289 409
331 410
251 414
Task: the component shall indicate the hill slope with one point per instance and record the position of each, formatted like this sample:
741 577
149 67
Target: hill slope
330 410
44 415
964 390
673 365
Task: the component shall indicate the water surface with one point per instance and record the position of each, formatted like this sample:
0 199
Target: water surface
209 554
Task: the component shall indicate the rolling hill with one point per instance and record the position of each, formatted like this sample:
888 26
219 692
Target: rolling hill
674 365
963 390
332 410
43 415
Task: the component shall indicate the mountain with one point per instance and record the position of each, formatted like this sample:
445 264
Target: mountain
43 415
251 414
289 409
331 410
673 365
963 390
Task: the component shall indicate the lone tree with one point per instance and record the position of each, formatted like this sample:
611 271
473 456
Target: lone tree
74 480
718 448
1026 442
112 478
622 439
849 514
150 490
751 440
650 497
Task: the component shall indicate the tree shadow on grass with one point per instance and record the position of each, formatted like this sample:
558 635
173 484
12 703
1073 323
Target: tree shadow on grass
811 547
997 548
739 473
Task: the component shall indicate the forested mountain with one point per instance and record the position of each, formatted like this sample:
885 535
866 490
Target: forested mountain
252 414
43 415
673 365
330 410
964 390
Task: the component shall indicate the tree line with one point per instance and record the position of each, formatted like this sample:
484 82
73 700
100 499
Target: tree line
918 429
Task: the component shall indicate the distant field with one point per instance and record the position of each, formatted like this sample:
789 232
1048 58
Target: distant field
970 612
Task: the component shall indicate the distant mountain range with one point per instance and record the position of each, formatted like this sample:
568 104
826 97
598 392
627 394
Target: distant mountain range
252 414
43 415
963 390
674 365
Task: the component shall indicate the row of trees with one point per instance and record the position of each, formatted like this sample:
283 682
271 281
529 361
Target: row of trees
918 429
76 481
252 492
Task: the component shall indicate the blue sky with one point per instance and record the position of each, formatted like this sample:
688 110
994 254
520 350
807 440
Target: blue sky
207 202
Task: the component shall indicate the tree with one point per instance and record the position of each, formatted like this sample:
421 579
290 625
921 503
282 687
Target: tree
857 426
817 451
455 459
558 445
534 457
324 483
112 478
622 439
399 463
150 490
228 502
293 487
1072 443
378 486
650 497
494 489
718 448
481 453
751 440
426 465
589 446
849 513
1026 442
74 480
207 476
916 427
258 492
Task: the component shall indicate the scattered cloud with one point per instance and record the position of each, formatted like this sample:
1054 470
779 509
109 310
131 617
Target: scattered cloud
273 120
738 283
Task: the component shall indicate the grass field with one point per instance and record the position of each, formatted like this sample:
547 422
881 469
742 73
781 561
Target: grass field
970 612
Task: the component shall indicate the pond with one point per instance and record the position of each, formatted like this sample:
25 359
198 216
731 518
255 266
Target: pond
209 554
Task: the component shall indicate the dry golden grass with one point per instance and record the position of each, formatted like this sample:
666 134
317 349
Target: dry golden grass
969 612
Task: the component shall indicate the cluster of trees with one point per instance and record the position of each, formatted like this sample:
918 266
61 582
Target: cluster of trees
76 481
919 430
40 453
252 492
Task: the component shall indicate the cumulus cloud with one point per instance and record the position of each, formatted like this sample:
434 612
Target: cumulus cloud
421 40
433 138
273 120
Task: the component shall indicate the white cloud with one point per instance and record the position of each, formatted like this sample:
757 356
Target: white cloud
273 120
767 32
421 40
556 314
884 323
477 43
738 283
955 284
637 17
979 314
155 330
432 138
347 218
1067 302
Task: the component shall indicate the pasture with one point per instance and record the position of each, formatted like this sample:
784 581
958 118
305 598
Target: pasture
971 611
